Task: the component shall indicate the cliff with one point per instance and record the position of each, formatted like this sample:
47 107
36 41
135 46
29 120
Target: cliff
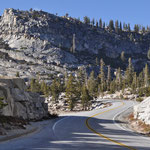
19 102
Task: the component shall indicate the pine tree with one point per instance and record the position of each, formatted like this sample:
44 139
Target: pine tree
119 79
124 26
136 28
134 83
55 90
104 25
111 25
146 76
102 75
44 88
17 74
35 86
80 81
96 24
108 78
100 23
86 20
112 86
93 22
129 29
71 92
143 30
141 79
85 97
120 27
117 26
92 85
129 73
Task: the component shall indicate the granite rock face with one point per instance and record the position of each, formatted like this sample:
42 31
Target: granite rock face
142 111
39 40
20 103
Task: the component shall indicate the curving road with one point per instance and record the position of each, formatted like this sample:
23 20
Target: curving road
92 130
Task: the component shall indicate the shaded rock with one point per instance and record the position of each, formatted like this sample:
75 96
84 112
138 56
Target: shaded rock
20 103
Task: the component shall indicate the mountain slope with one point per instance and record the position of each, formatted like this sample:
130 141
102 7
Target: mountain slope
40 38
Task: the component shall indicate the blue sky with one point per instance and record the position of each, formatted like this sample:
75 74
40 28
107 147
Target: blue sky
129 11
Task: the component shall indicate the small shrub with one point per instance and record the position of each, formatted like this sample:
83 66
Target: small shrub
139 99
17 74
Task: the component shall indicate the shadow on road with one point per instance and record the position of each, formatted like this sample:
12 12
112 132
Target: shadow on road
73 134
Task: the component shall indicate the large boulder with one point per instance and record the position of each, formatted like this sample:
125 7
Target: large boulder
142 111
21 103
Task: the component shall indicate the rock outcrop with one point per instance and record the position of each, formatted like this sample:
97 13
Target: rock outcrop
19 102
39 42
142 111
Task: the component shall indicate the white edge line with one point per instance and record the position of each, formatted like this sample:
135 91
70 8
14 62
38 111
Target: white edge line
55 124
127 129
114 120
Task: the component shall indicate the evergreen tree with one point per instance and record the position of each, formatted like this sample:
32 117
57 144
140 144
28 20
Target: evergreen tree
102 75
141 79
96 24
112 86
108 78
35 86
146 76
136 28
118 79
44 88
104 25
134 83
143 30
93 22
86 20
120 27
129 73
85 97
129 29
117 26
111 25
71 92
55 90
80 81
66 15
92 85
17 74
124 26
148 29
100 23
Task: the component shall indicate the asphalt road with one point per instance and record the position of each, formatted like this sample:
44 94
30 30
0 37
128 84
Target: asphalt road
92 130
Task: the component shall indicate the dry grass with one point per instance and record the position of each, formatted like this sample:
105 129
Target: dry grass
138 125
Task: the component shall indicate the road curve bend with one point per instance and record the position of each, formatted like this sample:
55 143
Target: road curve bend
91 130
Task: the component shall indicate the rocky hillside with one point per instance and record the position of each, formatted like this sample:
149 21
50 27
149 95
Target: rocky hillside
20 103
36 42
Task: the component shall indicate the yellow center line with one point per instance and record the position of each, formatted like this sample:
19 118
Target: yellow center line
105 137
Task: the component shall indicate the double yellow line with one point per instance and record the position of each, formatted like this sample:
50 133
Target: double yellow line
103 136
